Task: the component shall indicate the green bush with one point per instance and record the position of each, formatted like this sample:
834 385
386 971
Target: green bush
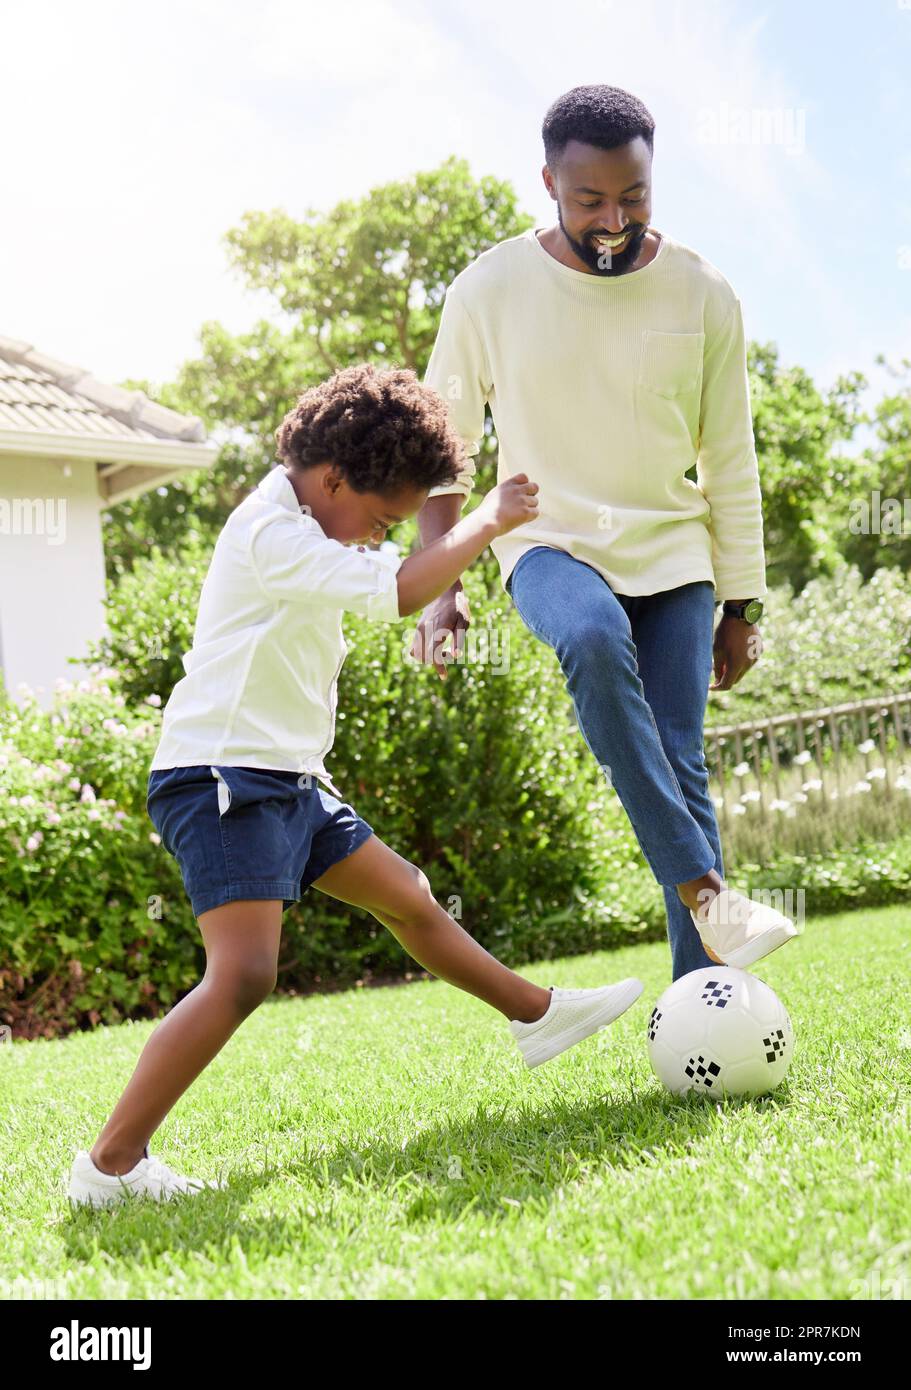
840 640
150 614
79 869
95 926
484 781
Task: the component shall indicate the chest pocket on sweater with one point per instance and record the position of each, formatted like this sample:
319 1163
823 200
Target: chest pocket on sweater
670 364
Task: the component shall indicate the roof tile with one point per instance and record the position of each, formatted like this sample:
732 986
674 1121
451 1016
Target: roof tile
39 394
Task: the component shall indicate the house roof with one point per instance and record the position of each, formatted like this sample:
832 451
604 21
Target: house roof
58 410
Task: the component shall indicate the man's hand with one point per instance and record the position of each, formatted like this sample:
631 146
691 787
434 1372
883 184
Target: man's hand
443 621
736 648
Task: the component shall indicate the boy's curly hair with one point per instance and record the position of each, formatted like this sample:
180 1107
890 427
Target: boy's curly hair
380 427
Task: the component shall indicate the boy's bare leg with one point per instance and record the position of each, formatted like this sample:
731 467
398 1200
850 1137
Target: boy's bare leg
242 940
398 894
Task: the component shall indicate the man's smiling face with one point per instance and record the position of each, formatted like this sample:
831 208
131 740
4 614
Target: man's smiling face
603 195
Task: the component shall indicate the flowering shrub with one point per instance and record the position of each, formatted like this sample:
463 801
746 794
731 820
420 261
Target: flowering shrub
487 785
485 782
839 640
79 864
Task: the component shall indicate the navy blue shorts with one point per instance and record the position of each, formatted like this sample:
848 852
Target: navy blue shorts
249 832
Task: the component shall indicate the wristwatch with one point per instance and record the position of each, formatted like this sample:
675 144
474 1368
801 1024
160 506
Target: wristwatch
749 612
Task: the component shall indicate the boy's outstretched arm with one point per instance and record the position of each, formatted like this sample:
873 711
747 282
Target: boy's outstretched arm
426 574
293 560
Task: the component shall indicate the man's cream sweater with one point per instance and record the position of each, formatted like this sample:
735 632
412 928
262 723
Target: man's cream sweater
605 390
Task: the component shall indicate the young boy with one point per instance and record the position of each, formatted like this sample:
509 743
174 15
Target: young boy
233 788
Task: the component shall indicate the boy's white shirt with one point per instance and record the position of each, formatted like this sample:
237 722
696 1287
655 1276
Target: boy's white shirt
261 678
605 390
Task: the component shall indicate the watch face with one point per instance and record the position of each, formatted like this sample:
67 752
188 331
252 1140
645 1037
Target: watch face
753 611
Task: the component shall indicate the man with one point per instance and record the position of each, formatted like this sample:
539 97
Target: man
613 359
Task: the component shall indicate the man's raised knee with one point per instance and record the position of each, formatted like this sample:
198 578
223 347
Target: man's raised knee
593 637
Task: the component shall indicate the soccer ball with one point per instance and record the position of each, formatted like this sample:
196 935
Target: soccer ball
720 1031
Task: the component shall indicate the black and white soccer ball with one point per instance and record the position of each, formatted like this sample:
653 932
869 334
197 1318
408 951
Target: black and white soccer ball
720 1031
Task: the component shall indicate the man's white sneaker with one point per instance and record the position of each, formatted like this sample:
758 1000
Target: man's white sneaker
573 1014
150 1177
741 930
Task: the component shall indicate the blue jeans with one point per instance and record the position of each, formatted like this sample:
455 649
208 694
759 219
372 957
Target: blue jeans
638 669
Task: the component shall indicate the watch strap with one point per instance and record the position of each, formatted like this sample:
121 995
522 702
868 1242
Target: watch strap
737 610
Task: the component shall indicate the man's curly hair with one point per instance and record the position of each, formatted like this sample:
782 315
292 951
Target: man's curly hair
382 429
595 115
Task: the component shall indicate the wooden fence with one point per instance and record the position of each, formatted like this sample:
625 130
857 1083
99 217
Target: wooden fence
803 738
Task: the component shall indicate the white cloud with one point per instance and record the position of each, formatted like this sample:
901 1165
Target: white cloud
370 43
135 137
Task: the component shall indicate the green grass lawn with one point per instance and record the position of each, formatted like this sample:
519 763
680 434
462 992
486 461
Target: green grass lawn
390 1143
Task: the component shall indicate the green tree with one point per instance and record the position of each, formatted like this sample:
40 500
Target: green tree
366 282
797 429
888 469
363 282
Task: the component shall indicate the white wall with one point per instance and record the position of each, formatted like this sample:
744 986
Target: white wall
51 570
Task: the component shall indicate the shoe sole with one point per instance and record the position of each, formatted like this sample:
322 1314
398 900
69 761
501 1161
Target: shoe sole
113 1196
106 1198
762 946
618 1005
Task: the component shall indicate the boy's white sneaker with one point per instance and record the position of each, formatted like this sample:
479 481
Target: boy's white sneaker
573 1014
150 1177
741 930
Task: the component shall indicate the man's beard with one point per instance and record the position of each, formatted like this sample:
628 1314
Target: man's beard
602 263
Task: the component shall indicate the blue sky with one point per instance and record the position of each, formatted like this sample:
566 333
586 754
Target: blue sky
136 135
